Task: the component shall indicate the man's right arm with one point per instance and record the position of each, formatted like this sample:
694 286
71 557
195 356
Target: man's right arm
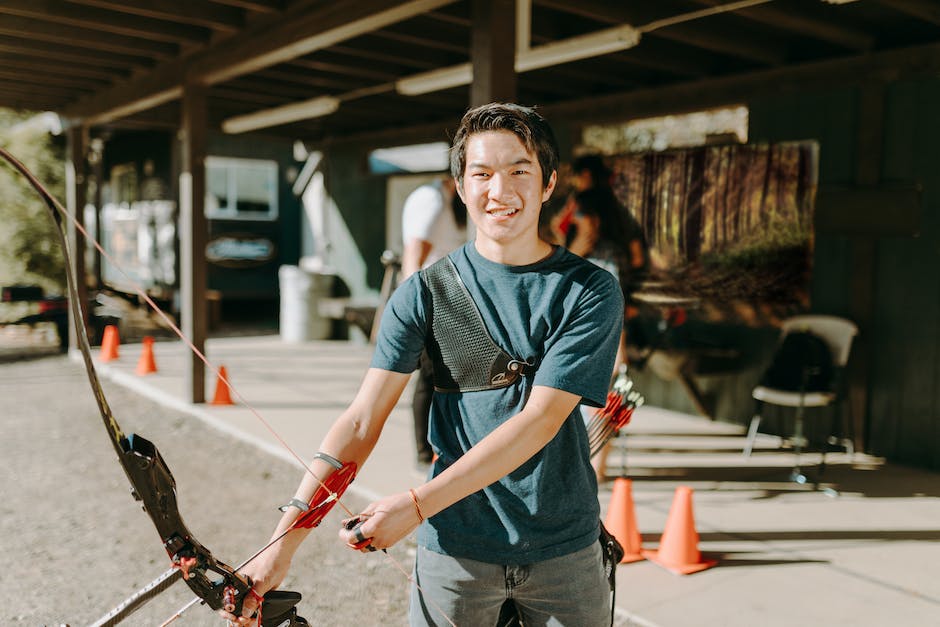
421 211
351 439
416 251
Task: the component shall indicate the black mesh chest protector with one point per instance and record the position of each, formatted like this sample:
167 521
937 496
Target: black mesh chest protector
465 357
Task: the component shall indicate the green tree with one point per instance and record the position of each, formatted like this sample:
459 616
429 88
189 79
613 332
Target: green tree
29 248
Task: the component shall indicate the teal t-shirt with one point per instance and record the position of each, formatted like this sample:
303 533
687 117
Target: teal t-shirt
564 315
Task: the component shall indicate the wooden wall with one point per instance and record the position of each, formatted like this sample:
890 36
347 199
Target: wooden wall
905 397
902 421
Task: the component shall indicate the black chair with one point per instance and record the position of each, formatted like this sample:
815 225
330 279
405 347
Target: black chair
802 383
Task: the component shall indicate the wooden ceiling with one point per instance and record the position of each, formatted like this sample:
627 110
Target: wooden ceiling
123 63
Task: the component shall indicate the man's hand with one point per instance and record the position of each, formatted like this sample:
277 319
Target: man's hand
381 524
266 572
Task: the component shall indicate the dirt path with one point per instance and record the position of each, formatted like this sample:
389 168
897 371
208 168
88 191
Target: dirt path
74 542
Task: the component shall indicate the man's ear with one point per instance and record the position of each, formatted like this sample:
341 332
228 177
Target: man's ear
547 192
459 189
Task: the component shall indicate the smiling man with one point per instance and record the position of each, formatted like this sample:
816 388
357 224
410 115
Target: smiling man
509 511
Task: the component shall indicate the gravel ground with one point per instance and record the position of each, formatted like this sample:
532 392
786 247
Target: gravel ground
75 543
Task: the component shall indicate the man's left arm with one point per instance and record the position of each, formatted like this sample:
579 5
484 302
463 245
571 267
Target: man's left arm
506 448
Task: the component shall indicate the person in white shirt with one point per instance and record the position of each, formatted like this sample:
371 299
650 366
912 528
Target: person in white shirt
434 222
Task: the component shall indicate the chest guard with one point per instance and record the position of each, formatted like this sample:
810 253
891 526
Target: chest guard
465 357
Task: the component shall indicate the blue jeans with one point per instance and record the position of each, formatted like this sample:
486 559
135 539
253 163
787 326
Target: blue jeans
570 590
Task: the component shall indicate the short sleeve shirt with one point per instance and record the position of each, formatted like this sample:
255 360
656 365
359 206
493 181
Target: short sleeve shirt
426 216
563 315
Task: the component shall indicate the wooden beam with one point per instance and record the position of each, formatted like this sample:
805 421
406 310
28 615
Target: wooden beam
304 80
17 26
233 98
73 54
150 90
422 42
370 72
714 92
104 21
663 56
300 31
725 40
75 188
718 37
17 86
30 102
431 34
921 9
194 235
269 42
209 15
389 55
839 33
76 83
493 52
259 6
57 69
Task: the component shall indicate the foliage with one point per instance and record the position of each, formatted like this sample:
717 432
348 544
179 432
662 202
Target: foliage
29 249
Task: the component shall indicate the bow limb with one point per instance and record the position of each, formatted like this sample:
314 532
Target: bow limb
152 483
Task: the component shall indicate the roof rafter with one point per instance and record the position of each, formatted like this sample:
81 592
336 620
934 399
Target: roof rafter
73 54
826 30
717 38
105 21
18 26
921 9
217 17
299 31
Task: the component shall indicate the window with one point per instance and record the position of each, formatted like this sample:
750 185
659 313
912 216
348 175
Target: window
725 126
241 189
434 157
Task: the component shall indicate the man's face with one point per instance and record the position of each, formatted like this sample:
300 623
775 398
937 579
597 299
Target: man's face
502 188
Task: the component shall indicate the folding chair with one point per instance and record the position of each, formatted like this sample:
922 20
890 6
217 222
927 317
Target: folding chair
798 390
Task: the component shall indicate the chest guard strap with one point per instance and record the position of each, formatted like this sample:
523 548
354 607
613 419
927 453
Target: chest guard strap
465 357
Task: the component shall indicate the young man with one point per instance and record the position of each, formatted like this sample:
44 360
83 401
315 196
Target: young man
511 509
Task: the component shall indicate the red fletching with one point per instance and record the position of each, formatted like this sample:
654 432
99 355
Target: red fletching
326 496
622 399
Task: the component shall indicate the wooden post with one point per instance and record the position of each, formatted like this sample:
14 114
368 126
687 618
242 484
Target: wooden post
75 189
493 52
193 236
95 158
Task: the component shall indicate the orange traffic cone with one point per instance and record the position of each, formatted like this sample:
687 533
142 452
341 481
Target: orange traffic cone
678 547
146 363
621 520
109 343
222 395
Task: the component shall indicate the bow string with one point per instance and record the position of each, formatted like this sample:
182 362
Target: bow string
214 582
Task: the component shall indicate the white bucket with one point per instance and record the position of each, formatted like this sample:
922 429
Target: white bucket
300 292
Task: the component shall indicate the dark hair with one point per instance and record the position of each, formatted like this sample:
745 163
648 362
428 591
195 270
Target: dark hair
603 205
531 128
600 173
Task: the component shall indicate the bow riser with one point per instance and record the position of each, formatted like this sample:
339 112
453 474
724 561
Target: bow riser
153 485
